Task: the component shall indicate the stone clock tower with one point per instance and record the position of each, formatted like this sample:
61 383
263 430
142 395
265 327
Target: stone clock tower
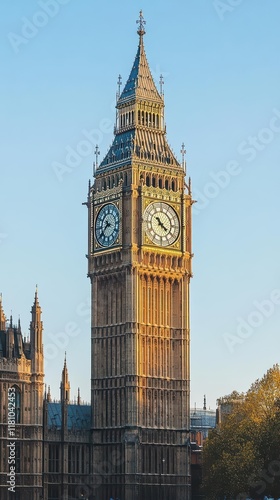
139 258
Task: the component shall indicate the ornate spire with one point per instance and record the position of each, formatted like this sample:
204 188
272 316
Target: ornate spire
140 127
141 30
140 83
119 83
183 151
2 316
65 384
161 83
79 397
49 398
36 336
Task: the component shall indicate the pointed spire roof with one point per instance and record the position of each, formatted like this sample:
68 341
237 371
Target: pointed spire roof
65 384
2 316
140 131
36 300
65 365
140 82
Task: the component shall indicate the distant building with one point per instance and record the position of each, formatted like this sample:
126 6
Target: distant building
226 404
202 421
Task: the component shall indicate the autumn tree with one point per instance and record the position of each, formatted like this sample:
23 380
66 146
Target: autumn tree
242 455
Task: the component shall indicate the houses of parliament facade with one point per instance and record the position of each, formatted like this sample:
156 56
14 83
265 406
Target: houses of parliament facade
132 441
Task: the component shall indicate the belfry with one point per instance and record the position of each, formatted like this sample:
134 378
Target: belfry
139 265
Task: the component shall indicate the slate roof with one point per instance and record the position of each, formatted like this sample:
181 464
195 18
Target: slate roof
140 82
145 141
79 416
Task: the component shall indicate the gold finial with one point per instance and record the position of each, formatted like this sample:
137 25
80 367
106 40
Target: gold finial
141 31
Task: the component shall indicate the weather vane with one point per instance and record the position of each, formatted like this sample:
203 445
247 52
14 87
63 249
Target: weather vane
141 23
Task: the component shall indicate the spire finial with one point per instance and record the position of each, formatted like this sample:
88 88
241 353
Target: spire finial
141 31
183 151
119 83
161 83
95 164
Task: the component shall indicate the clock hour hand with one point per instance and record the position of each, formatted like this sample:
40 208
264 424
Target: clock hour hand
161 224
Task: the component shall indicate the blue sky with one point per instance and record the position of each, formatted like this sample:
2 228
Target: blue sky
220 61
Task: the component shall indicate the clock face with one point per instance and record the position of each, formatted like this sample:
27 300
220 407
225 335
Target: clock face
161 224
107 225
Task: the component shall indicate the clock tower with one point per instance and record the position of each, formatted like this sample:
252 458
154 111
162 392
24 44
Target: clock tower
139 264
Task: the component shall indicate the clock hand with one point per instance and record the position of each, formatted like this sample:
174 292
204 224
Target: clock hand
161 224
159 221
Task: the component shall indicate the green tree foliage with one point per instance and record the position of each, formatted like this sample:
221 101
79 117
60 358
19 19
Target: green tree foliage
241 457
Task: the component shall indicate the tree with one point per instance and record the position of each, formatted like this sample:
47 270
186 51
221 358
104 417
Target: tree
242 455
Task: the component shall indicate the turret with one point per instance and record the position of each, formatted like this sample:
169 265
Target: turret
36 336
2 316
65 385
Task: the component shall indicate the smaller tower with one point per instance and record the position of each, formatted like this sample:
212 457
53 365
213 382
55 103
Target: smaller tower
2 316
49 397
79 397
65 385
64 401
36 337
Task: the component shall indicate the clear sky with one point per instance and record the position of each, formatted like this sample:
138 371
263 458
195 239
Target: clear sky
60 60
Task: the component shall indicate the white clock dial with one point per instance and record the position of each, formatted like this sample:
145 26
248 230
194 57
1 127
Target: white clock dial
161 223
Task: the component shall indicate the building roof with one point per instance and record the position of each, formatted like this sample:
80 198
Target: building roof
202 419
79 416
140 132
140 83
